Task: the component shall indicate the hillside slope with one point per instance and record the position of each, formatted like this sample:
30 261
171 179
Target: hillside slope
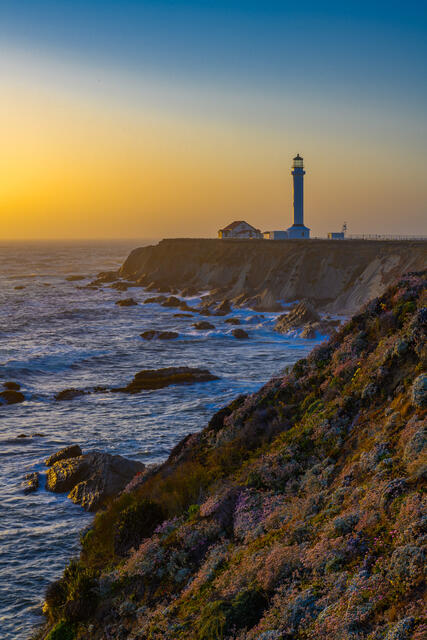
299 512
337 276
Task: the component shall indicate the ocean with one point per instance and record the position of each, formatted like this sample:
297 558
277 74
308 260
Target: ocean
56 334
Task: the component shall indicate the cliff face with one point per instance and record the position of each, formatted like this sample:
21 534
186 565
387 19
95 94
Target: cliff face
338 276
299 512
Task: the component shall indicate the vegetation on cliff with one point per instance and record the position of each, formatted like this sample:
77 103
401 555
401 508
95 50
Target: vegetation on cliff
298 512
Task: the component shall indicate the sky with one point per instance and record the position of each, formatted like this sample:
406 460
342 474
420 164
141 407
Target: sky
162 118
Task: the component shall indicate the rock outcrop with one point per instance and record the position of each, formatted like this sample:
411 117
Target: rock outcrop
30 482
69 394
72 451
301 315
203 325
336 276
159 378
127 302
151 334
240 334
91 478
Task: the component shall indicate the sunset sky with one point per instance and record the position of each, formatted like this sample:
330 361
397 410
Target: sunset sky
123 119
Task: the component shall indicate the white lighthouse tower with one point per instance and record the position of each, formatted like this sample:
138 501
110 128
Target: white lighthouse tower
298 230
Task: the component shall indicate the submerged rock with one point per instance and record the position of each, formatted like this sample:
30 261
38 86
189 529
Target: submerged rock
183 315
30 482
92 478
126 302
72 451
233 321
240 334
69 394
159 378
203 325
160 335
9 396
13 386
74 278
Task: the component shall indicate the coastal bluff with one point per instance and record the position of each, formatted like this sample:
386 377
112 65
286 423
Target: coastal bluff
336 276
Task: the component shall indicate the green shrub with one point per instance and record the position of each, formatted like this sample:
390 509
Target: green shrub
62 631
74 596
135 523
214 621
247 608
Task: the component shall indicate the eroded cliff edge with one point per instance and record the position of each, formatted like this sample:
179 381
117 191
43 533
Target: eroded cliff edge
337 276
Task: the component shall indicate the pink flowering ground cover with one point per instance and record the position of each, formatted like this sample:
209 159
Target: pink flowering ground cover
299 512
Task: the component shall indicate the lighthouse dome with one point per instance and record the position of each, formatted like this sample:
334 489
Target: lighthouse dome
298 162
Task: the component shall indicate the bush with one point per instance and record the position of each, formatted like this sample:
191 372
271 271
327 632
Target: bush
74 596
244 611
135 523
62 631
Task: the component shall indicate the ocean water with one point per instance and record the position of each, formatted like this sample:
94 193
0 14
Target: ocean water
55 335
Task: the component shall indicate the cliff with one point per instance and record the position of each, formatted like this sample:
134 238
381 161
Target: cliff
338 276
299 512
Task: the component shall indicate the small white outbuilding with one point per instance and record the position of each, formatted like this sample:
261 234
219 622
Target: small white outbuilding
239 229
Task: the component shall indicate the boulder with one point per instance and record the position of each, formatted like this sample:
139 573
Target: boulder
9 396
13 386
160 335
72 451
240 334
74 278
419 391
19 286
120 286
155 300
104 277
92 478
203 325
127 302
302 314
69 394
182 315
233 321
159 378
30 482
172 301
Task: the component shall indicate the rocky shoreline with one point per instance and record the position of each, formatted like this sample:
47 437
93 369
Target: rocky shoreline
297 512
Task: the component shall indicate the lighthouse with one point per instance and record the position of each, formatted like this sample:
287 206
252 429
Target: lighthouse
298 230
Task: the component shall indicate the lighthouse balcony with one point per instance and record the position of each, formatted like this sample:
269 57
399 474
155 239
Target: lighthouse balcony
298 231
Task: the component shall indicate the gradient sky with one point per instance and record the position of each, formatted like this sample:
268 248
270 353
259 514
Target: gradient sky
172 118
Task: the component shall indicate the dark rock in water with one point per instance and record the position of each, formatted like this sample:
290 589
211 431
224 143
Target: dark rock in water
240 334
203 325
104 277
92 478
233 321
183 315
69 394
160 335
189 292
301 315
13 386
127 302
120 286
30 482
19 286
159 378
155 300
223 308
10 396
74 278
72 451
172 301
